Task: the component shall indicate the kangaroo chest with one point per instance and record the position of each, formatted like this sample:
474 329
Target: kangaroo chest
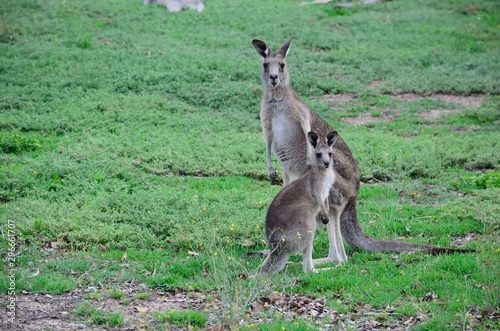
326 182
289 138
287 132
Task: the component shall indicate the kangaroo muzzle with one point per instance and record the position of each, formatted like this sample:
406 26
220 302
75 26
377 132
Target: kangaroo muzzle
274 80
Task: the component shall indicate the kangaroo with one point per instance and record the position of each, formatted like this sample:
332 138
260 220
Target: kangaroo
291 217
285 121
177 5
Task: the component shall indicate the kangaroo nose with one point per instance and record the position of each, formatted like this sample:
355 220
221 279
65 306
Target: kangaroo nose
273 77
326 164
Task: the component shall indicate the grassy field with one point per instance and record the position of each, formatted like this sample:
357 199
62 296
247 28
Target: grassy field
131 153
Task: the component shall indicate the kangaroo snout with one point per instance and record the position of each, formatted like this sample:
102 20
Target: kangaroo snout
274 80
326 164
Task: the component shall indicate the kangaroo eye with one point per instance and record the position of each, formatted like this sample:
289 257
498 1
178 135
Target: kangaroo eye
330 155
282 65
265 65
318 155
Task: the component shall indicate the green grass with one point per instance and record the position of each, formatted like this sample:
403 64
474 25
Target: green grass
125 302
142 295
132 129
116 294
190 319
95 316
298 325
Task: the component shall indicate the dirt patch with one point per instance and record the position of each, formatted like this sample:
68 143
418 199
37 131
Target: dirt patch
366 119
469 237
36 312
437 113
466 101
41 312
340 98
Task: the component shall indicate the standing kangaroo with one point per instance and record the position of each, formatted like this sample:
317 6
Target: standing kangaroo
286 120
291 217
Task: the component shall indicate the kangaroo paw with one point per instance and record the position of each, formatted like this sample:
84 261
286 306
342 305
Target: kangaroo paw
273 177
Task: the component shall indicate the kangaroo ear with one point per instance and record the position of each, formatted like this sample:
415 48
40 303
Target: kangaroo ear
261 48
331 138
285 48
313 139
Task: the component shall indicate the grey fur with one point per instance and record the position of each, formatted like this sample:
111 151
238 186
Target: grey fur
291 217
285 120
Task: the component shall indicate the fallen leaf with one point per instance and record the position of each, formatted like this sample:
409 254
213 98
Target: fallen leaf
36 273
142 310
124 257
193 253
60 239
430 296
410 321
246 243
417 285
41 237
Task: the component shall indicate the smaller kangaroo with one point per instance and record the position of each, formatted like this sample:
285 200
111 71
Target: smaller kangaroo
291 217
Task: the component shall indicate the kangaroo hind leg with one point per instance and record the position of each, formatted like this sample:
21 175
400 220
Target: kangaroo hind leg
336 250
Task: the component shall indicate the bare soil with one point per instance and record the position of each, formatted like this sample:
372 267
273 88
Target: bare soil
463 101
36 312
341 98
437 113
365 119
466 101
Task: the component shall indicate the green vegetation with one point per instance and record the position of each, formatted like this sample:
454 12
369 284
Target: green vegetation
128 129
298 325
116 294
142 295
192 319
17 142
125 302
95 316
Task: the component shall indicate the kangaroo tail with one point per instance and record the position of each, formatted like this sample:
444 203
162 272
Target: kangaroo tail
357 239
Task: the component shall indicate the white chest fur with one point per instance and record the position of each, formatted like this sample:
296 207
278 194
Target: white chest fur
285 128
328 182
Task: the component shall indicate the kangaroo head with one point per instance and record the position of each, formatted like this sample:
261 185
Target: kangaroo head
274 71
321 155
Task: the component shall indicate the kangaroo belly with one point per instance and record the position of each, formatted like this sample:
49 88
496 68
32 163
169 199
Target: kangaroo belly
290 145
